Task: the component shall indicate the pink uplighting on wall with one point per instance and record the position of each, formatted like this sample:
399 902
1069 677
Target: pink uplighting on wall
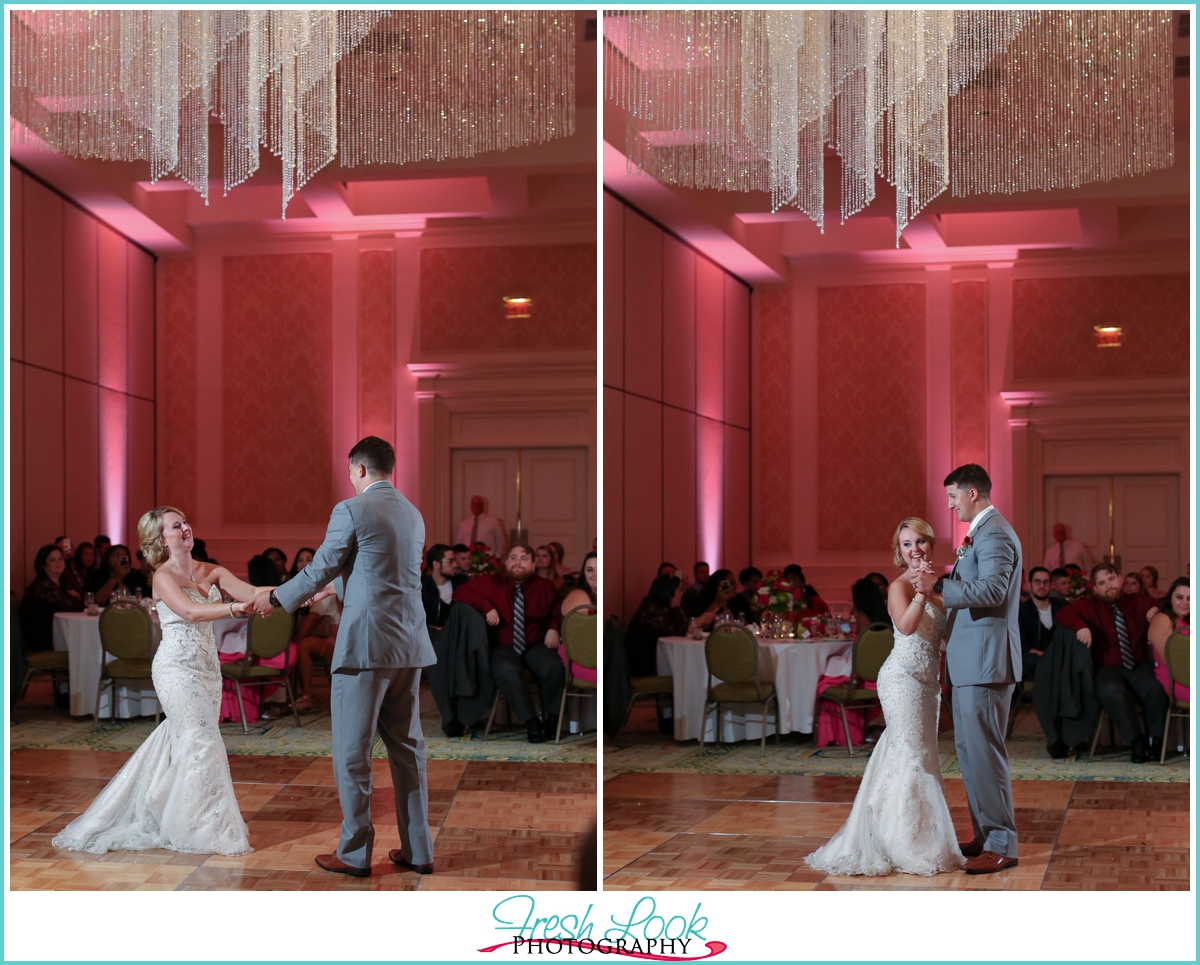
710 491
114 445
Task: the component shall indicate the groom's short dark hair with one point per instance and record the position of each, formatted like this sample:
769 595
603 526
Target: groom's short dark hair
970 476
377 455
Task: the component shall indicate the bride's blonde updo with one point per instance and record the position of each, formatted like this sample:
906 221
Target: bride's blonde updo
150 535
917 525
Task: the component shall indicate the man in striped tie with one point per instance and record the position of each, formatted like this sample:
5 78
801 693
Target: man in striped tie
523 617
1113 625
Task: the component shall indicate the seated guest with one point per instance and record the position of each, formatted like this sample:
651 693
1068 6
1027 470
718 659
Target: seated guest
1060 583
438 584
45 597
880 581
745 603
1066 551
523 619
713 603
279 558
560 554
545 565
1035 618
462 559
200 552
691 595
583 594
1133 584
1113 625
667 569
116 567
1175 614
869 605
144 567
316 631
102 544
794 575
1149 576
83 562
70 577
659 615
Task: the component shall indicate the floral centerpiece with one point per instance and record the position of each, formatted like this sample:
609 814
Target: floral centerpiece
1079 586
482 561
781 596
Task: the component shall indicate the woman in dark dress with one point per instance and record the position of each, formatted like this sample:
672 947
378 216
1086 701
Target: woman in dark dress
117 567
659 615
45 597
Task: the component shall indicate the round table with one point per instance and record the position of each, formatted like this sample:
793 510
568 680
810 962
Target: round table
794 666
79 635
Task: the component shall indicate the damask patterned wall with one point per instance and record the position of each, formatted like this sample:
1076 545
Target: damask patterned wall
969 372
462 291
676 409
1054 318
179 402
377 343
277 333
82 386
773 390
870 439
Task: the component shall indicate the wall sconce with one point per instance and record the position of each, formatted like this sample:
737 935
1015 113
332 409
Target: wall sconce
1108 336
517 307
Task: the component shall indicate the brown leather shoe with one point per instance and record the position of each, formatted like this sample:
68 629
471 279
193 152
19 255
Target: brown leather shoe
331 862
987 863
970 849
422 869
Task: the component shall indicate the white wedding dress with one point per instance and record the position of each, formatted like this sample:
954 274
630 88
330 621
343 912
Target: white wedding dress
175 792
900 821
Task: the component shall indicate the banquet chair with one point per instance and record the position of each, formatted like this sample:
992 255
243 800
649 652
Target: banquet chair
871 648
30 665
265 638
532 687
731 655
1106 718
579 629
1179 671
126 633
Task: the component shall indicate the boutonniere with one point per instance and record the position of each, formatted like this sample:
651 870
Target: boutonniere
962 550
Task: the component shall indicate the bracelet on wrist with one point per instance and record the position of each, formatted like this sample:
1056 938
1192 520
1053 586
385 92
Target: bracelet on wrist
231 613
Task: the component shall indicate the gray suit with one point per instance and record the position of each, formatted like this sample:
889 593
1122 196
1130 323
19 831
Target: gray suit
983 662
373 546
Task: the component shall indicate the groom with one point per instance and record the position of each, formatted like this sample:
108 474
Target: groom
373 546
983 661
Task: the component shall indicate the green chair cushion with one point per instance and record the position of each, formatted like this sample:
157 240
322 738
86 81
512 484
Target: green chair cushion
135 669
47 660
1183 704
233 669
742 692
844 695
652 685
577 684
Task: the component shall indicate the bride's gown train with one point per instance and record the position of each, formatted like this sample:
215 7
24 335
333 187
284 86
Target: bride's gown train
900 821
175 792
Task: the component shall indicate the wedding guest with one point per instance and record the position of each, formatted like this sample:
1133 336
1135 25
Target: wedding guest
1060 583
102 544
713 603
1113 625
583 594
144 567
438 584
1150 582
83 562
745 604
304 556
545 565
560 552
1066 551
279 558
667 569
880 581
70 577
316 632
116 567
691 596
869 605
523 618
1035 619
44 597
1133 583
462 559
795 575
200 552
481 527
660 614
1174 614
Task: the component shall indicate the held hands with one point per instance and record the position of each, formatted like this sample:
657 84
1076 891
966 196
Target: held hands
260 603
492 617
243 609
923 579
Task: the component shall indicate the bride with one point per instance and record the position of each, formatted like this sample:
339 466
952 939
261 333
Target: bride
900 821
175 792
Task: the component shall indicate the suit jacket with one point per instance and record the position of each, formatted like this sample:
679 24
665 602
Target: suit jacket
1064 693
982 598
461 682
1031 625
373 547
436 610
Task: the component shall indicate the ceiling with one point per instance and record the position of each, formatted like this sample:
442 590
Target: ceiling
739 231
544 185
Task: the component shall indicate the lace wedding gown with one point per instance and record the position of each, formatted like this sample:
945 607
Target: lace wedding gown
175 792
900 821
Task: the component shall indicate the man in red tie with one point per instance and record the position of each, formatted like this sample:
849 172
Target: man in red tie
523 618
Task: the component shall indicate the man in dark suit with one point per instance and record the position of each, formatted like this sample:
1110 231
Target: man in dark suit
439 583
523 617
1113 624
1036 620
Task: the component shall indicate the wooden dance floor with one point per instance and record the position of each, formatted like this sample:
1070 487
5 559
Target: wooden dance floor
736 831
497 825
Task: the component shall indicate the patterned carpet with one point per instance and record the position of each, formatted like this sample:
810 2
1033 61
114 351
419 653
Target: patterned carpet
641 748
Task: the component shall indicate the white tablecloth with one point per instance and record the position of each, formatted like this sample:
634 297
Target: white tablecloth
795 666
79 635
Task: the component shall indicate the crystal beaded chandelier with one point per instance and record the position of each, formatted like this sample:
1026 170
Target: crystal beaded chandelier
977 101
371 87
